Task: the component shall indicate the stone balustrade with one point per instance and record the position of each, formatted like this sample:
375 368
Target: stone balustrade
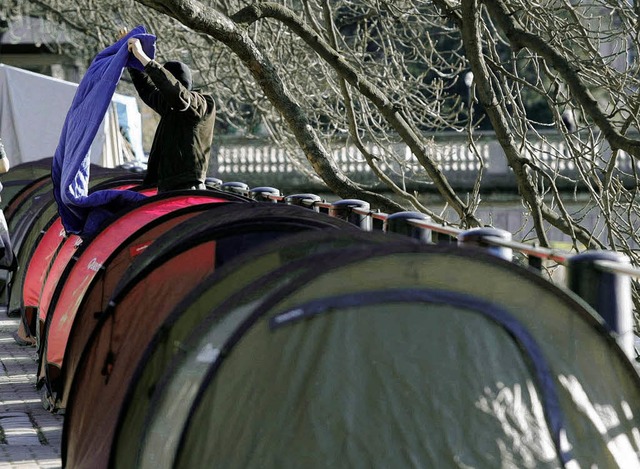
258 163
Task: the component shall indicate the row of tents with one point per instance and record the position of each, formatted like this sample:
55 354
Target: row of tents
209 329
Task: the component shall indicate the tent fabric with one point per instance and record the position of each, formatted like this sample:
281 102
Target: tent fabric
423 384
128 327
37 277
62 257
80 270
86 291
494 312
40 261
100 289
24 195
189 317
26 205
7 258
139 305
21 213
18 178
381 393
32 101
27 255
244 218
83 213
34 275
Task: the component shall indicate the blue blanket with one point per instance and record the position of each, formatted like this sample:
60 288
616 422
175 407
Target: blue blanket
80 212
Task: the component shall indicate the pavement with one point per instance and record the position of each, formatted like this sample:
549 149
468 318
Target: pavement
30 436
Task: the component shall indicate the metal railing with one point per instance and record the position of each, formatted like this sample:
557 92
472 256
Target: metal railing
558 256
587 271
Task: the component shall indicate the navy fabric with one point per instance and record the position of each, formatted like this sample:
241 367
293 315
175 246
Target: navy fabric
80 212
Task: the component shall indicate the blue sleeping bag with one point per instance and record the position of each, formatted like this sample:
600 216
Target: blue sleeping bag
82 213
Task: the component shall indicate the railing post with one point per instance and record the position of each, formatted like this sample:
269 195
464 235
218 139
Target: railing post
378 223
303 200
444 238
478 237
609 293
261 194
235 187
344 209
399 223
535 262
213 183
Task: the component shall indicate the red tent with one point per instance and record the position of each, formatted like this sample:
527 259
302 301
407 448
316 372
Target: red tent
156 282
39 250
78 262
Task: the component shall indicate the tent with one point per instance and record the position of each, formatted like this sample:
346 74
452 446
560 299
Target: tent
147 293
26 206
36 252
34 103
66 284
189 315
24 194
71 242
31 209
84 289
393 356
20 176
35 275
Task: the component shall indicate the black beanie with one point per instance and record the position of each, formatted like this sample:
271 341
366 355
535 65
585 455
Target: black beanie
181 72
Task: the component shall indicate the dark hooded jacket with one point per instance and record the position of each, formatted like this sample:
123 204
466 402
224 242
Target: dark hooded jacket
179 155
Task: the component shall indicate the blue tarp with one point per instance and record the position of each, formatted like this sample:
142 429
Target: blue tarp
80 212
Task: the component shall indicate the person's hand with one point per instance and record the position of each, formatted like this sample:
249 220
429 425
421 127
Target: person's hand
135 47
122 32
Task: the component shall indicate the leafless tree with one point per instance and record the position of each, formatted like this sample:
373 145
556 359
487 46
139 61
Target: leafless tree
315 74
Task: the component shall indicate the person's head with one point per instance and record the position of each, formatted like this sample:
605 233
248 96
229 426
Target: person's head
181 72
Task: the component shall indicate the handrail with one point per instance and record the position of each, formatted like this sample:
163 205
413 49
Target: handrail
555 255
448 230
613 304
617 268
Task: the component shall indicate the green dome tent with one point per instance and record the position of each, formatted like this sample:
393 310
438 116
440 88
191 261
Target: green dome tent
20 176
188 317
399 357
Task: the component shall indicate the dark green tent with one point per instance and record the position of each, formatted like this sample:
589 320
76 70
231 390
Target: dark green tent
399 357
189 315
20 176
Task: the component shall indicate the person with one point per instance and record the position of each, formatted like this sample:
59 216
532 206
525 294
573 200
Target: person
7 257
8 260
4 161
179 155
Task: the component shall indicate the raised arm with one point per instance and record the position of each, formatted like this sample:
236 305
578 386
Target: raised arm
159 89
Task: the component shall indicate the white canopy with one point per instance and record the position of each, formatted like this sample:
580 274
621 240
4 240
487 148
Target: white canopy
33 108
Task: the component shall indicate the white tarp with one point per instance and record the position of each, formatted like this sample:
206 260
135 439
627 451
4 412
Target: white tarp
33 108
